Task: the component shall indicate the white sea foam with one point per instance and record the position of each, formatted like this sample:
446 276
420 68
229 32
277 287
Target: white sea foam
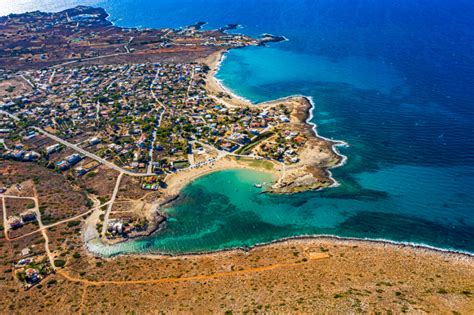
335 143
100 249
222 85
96 247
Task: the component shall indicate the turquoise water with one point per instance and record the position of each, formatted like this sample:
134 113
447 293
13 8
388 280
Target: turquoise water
276 66
225 210
393 79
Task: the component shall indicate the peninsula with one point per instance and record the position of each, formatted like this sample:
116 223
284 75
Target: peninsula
101 126
83 97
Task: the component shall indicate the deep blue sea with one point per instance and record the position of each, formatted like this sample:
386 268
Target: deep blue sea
393 79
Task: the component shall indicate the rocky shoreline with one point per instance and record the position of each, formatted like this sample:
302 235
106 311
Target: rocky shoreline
320 154
332 239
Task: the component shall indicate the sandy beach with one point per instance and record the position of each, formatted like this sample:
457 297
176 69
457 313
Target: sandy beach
214 86
177 181
345 267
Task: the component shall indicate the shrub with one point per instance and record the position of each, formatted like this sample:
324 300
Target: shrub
51 282
73 223
59 263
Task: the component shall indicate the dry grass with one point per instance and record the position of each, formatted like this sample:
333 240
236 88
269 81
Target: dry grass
303 276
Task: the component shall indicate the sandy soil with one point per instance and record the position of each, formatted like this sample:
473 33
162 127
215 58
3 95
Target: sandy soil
296 276
214 87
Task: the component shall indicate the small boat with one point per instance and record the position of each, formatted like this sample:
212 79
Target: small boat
258 185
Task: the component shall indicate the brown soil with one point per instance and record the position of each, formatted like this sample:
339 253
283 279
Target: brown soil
297 276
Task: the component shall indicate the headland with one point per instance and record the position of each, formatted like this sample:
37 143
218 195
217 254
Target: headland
103 125
148 106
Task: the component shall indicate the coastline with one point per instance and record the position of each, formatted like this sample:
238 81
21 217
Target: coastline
311 173
177 238
332 239
215 61
336 143
338 270
216 85
179 183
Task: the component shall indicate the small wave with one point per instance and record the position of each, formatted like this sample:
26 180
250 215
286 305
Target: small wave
102 251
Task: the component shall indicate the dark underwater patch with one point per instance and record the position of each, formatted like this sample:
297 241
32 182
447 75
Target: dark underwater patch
409 229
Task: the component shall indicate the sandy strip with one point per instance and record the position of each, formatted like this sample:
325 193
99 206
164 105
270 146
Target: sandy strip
177 181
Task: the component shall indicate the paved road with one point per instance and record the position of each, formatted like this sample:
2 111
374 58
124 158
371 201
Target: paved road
113 166
97 110
51 78
87 59
89 154
191 158
10 115
28 81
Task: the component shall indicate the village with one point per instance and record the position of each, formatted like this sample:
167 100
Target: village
147 118
118 126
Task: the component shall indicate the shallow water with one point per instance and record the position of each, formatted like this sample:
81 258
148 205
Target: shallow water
392 79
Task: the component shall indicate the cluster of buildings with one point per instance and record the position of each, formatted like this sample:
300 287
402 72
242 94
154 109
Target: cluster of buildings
284 147
204 118
16 222
151 183
21 155
31 269
141 117
108 110
123 227
68 161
